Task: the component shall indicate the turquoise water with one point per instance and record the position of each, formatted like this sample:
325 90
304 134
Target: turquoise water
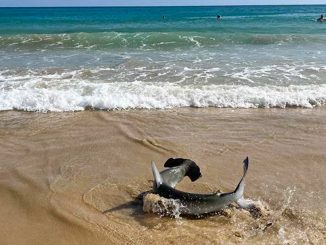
250 19
63 59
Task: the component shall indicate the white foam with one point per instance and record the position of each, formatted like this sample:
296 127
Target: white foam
75 95
153 203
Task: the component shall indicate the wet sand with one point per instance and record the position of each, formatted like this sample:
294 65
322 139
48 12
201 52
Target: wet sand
73 178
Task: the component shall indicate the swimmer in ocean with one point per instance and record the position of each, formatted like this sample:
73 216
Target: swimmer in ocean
218 17
321 18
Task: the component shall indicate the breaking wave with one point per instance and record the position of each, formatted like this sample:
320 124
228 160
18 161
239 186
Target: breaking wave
37 96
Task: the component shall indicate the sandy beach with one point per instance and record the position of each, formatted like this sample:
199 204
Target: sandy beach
74 178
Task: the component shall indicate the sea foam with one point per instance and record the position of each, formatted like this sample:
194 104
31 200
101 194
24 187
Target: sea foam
38 96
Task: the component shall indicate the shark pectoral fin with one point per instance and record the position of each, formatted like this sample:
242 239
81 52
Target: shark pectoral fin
157 175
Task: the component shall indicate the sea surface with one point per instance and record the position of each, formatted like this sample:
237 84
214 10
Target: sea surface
71 59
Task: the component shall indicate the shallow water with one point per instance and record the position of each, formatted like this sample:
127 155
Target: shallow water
74 178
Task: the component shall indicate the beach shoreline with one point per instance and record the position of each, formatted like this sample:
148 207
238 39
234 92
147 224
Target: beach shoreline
61 171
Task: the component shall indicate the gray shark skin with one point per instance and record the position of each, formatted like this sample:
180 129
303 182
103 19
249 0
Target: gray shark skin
177 169
199 204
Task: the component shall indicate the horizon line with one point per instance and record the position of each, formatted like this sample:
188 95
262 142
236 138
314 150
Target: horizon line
137 6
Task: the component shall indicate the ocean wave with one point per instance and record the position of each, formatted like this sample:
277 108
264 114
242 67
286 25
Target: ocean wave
150 40
143 95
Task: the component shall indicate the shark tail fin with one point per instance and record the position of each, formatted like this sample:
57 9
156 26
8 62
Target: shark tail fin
157 176
240 188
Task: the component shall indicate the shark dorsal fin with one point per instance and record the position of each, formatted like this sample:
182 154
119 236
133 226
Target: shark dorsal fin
157 175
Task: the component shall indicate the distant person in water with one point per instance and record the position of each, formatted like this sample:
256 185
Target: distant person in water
218 17
163 17
321 18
